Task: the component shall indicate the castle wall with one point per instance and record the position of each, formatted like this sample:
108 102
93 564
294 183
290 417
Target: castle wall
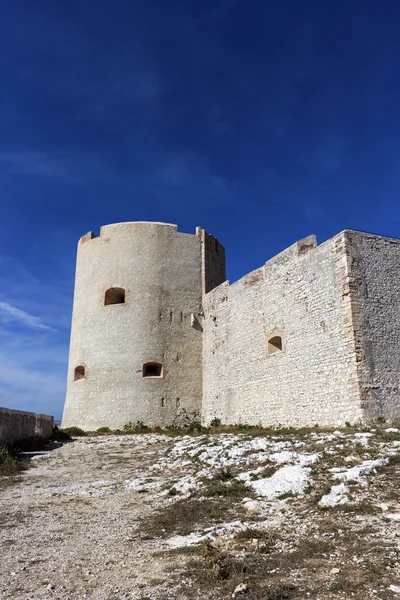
20 425
299 295
374 289
160 270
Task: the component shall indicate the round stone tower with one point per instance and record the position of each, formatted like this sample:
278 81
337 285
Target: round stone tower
136 338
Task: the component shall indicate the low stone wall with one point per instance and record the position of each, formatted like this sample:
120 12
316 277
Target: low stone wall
21 425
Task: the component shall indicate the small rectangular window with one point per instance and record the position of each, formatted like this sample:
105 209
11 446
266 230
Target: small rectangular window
114 296
275 345
152 369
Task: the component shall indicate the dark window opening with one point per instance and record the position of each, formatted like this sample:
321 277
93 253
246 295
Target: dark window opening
152 369
178 403
79 373
275 344
114 296
162 401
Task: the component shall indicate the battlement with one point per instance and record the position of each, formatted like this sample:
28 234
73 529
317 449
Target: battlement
281 261
108 230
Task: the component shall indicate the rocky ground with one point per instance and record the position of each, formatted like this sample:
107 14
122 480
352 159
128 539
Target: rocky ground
263 516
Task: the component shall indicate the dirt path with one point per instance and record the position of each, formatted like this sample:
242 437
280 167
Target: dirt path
99 519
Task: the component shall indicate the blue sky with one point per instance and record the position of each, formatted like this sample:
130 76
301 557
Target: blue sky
262 121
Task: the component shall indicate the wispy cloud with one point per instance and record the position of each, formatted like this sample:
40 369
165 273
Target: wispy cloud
12 313
32 373
34 328
39 164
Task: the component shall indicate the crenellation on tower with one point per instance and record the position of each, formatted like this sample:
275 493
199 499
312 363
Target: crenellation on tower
87 237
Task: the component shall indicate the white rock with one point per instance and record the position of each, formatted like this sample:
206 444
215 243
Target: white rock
252 505
283 457
393 516
240 589
308 459
363 441
367 467
395 588
289 479
211 533
392 430
335 571
336 497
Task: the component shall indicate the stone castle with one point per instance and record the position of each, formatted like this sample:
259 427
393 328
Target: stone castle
159 335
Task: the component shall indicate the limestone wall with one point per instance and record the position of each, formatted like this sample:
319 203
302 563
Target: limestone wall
298 295
374 290
20 425
213 267
160 270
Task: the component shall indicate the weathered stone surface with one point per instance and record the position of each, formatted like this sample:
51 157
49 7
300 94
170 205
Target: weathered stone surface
336 308
21 425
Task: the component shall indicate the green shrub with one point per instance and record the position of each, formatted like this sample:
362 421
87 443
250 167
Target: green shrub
174 429
215 422
135 427
103 430
4 453
195 426
74 431
250 534
9 463
60 435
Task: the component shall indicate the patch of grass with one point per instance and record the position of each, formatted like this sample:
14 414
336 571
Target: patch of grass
216 572
9 463
267 538
360 508
268 471
285 496
235 489
337 586
280 591
219 564
186 550
225 474
186 515
394 460
308 547
251 534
